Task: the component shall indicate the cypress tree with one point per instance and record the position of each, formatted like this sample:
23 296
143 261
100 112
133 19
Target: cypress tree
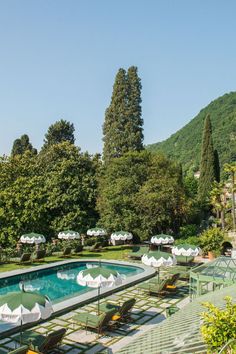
207 166
217 166
115 119
123 123
134 111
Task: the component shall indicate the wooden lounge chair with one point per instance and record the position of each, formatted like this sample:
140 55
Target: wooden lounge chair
122 311
66 252
152 288
78 249
20 350
183 271
139 253
24 258
173 278
43 343
39 255
96 247
98 322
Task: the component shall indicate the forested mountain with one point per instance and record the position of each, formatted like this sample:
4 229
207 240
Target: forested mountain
185 144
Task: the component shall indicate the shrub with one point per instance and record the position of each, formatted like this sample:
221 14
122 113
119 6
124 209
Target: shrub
90 241
211 240
219 325
191 240
188 230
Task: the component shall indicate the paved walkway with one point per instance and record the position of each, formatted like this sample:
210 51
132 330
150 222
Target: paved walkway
148 311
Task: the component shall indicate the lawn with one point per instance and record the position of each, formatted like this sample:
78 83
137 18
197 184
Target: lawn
112 252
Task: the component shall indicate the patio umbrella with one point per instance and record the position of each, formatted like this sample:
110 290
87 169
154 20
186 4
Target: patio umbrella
121 235
32 238
162 239
99 277
186 250
69 235
97 231
158 259
24 307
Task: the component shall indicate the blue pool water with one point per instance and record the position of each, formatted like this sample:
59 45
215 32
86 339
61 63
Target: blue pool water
59 282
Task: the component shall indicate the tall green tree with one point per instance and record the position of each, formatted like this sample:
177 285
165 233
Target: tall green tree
21 145
58 132
134 126
141 192
207 166
115 119
217 166
123 123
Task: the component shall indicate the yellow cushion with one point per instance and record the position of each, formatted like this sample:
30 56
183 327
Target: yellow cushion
31 352
171 287
115 317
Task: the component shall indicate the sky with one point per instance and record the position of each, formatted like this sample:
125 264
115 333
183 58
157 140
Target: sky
59 58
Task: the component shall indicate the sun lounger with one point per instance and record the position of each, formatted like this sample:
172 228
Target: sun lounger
25 258
43 343
39 256
78 249
158 289
66 252
96 247
98 322
20 350
122 311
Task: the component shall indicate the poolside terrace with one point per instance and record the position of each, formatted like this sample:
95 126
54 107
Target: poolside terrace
146 314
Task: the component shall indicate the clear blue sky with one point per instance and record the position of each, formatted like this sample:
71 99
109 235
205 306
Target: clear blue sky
58 59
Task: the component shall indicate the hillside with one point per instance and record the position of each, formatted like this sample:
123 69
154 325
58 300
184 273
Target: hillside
185 144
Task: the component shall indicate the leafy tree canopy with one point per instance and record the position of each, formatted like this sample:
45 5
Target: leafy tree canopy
21 145
143 193
59 132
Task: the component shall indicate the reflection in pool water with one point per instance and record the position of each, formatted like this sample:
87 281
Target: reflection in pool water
59 282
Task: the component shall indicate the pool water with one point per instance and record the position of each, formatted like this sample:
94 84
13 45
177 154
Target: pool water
59 282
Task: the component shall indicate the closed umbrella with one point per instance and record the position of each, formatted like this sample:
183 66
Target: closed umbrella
99 277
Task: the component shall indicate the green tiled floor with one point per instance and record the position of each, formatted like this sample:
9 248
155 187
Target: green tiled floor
147 308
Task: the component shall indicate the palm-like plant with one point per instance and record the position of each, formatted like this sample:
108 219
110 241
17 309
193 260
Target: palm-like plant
219 201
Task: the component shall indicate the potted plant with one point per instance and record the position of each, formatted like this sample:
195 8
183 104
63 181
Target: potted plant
211 242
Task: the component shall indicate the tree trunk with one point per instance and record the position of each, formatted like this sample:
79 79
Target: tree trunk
222 217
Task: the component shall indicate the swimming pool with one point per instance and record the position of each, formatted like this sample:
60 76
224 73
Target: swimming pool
59 282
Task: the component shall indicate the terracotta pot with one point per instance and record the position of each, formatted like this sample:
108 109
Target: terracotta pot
211 255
